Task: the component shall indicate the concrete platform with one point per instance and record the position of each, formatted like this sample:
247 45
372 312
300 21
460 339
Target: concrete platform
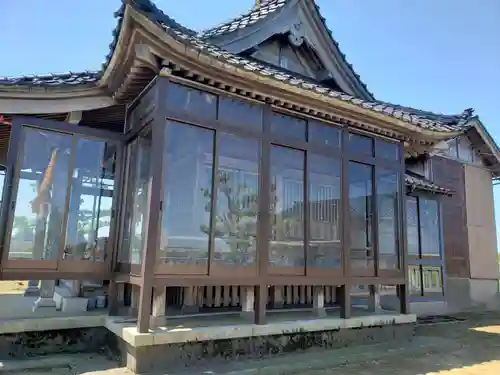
203 341
185 330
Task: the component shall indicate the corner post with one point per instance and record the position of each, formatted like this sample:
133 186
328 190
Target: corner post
155 209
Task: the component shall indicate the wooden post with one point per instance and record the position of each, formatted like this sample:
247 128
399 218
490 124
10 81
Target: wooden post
319 301
404 305
247 302
278 297
116 294
260 304
345 301
158 317
189 303
374 299
134 299
302 290
154 212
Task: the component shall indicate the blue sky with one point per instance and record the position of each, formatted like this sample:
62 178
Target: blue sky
441 55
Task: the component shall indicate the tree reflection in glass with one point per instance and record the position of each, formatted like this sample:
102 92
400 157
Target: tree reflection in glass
235 229
188 158
286 248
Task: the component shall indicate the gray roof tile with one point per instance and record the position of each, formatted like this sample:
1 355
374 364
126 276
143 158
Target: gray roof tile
417 182
257 13
282 76
52 80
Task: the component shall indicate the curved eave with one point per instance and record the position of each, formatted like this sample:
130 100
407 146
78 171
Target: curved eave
213 65
16 100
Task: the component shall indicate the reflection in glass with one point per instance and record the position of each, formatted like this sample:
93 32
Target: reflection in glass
387 150
288 126
361 211
240 113
286 248
412 225
387 208
324 212
41 195
197 103
91 198
323 134
360 144
237 196
188 158
429 227
433 280
137 199
415 280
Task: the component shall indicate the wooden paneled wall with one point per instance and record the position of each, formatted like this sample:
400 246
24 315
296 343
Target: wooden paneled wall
450 174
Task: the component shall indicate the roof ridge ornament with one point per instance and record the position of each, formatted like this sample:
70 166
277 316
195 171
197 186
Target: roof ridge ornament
296 35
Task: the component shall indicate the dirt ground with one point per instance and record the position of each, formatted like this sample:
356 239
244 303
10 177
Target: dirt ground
466 348
471 347
13 286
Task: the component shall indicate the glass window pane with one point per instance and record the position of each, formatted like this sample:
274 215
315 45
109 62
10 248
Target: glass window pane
288 126
187 195
429 227
240 113
137 199
324 212
198 103
433 280
91 199
323 134
415 280
361 211
387 150
387 207
237 201
412 225
41 195
360 144
286 248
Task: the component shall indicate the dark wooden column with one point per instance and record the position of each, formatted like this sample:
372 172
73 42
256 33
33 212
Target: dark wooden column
264 219
403 291
344 295
154 211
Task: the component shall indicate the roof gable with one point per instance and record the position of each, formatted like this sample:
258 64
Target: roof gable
302 21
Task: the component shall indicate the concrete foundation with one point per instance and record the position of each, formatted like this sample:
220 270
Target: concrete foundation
178 348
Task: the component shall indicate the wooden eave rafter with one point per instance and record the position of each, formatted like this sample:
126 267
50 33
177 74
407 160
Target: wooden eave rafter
200 67
38 100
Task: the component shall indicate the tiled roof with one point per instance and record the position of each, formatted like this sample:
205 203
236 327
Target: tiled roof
52 80
417 182
292 80
190 38
257 13
266 8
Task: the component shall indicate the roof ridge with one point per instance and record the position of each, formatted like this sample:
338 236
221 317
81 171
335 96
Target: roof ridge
225 26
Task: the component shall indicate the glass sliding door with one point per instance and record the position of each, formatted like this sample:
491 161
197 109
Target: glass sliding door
286 246
187 200
62 198
362 250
